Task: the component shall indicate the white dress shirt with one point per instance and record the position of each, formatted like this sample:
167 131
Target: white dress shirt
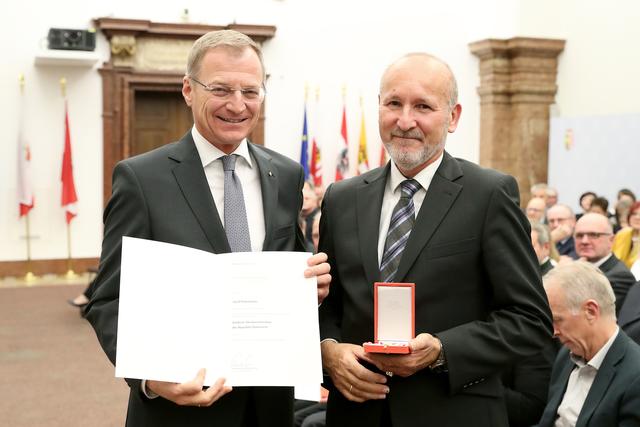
580 382
247 172
392 193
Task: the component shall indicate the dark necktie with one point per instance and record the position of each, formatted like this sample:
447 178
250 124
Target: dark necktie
402 220
235 214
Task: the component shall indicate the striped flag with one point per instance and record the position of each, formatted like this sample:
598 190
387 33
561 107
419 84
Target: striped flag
316 164
304 146
69 196
342 165
25 191
363 159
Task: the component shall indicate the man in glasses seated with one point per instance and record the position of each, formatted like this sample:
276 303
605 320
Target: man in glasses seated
593 235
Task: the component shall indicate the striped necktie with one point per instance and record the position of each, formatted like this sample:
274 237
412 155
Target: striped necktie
400 227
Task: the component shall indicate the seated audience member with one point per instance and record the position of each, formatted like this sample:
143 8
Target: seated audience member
541 245
626 194
626 243
595 380
629 318
600 205
552 196
561 222
594 239
539 190
620 217
535 209
585 202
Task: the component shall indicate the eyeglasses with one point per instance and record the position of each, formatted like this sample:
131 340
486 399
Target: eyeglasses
222 92
591 235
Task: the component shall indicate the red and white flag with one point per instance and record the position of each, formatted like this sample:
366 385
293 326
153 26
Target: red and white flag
69 197
316 164
342 165
25 191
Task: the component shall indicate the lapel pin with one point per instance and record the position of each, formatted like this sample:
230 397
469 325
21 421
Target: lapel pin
270 173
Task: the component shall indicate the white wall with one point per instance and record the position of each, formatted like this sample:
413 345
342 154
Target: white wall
325 44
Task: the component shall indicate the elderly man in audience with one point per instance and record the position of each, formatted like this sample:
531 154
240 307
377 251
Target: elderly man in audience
595 380
552 196
594 239
536 209
542 246
562 221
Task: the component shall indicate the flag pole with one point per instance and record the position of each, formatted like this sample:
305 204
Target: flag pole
70 273
29 276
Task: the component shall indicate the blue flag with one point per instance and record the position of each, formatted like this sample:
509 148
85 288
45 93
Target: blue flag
304 150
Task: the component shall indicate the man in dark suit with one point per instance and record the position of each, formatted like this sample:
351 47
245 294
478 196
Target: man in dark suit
596 376
594 239
541 242
629 317
179 194
479 302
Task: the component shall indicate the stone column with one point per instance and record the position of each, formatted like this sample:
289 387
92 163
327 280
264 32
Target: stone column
517 86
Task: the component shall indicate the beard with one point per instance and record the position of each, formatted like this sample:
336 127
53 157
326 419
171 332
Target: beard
406 159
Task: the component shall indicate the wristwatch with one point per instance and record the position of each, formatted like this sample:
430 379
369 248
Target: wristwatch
440 364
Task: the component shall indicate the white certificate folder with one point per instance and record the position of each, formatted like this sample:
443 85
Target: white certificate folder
250 317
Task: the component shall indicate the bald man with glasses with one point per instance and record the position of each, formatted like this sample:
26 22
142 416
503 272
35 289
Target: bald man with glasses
593 235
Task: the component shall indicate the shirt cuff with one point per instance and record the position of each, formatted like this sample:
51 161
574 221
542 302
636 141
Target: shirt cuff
148 393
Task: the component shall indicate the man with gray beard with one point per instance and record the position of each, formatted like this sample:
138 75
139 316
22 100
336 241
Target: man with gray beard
453 229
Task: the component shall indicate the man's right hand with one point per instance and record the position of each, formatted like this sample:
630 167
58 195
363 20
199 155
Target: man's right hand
190 393
354 381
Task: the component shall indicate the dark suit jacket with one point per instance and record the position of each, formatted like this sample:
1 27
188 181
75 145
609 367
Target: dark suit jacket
526 384
614 397
546 267
620 278
629 317
478 288
567 248
163 195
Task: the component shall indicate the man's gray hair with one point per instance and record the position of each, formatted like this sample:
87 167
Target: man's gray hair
542 232
227 38
582 281
539 186
567 208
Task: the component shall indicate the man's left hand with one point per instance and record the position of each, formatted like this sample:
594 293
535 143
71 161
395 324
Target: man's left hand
319 268
425 349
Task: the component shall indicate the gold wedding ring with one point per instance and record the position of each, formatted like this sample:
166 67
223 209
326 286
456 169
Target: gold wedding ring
350 387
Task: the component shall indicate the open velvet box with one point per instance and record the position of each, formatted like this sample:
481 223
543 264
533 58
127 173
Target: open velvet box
394 318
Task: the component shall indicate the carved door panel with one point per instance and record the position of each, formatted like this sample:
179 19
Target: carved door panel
159 118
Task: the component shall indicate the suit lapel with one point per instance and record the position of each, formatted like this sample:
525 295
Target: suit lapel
192 181
269 186
442 192
369 202
603 379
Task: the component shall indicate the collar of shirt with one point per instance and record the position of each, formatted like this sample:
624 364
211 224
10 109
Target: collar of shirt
598 358
424 177
602 260
209 152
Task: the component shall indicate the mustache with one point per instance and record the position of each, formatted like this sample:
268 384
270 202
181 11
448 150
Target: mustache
409 134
